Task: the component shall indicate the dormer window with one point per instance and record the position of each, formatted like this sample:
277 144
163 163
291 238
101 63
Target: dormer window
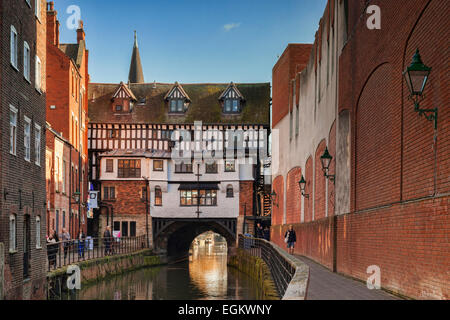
232 99
123 99
177 99
232 106
176 106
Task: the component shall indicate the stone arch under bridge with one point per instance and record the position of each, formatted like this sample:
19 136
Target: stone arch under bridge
173 237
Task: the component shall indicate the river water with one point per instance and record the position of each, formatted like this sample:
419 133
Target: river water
205 276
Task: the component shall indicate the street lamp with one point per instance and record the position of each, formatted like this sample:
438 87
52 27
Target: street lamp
326 161
302 185
273 196
416 75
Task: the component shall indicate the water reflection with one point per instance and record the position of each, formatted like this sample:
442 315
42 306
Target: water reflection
204 276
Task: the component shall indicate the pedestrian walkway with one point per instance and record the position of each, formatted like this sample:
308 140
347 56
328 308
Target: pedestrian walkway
326 285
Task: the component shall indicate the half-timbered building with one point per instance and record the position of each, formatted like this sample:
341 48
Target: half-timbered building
133 130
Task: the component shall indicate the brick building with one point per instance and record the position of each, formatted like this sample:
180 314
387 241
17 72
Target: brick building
389 203
22 146
132 125
67 107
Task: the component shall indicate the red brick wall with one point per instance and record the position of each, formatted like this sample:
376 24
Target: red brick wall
293 60
314 240
277 211
293 196
409 242
245 198
128 197
319 184
308 190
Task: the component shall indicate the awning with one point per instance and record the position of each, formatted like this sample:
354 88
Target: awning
199 186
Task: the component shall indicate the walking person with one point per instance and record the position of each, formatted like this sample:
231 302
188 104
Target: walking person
266 233
51 250
65 237
107 240
259 231
81 239
290 238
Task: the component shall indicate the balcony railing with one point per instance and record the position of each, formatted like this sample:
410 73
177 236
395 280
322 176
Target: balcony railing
291 276
64 253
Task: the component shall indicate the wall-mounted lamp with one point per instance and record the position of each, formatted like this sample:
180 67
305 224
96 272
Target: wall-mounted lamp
302 184
5 194
76 197
416 75
326 161
274 196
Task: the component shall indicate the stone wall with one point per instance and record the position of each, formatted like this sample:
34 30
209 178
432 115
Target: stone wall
99 269
258 270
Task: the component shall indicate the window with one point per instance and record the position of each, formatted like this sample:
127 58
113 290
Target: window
64 181
177 105
158 196
12 130
27 137
183 168
12 233
158 165
211 168
26 61
129 169
109 193
38 74
37 144
230 166
230 193
118 108
37 10
109 165
57 174
208 198
38 232
124 229
232 106
166 134
132 228
63 219
14 48
116 226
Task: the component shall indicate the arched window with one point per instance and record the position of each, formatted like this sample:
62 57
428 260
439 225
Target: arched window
12 232
38 232
158 196
230 192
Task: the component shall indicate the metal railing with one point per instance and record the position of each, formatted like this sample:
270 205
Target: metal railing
64 253
290 275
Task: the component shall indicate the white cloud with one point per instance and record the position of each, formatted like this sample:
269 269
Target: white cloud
230 26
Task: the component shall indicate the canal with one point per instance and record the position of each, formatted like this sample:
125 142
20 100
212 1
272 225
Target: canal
205 276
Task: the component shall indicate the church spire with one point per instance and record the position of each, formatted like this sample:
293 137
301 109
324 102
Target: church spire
136 74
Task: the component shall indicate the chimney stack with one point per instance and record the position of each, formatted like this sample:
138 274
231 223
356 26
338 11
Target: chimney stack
80 32
52 24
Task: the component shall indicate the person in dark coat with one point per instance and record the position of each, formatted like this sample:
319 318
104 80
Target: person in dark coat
290 239
259 231
266 233
107 240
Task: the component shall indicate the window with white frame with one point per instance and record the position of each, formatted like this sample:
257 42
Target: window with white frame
12 130
26 60
37 144
14 48
38 232
12 233
38 73
37 10
27 137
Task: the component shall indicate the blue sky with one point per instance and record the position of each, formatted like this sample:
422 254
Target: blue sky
191 41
